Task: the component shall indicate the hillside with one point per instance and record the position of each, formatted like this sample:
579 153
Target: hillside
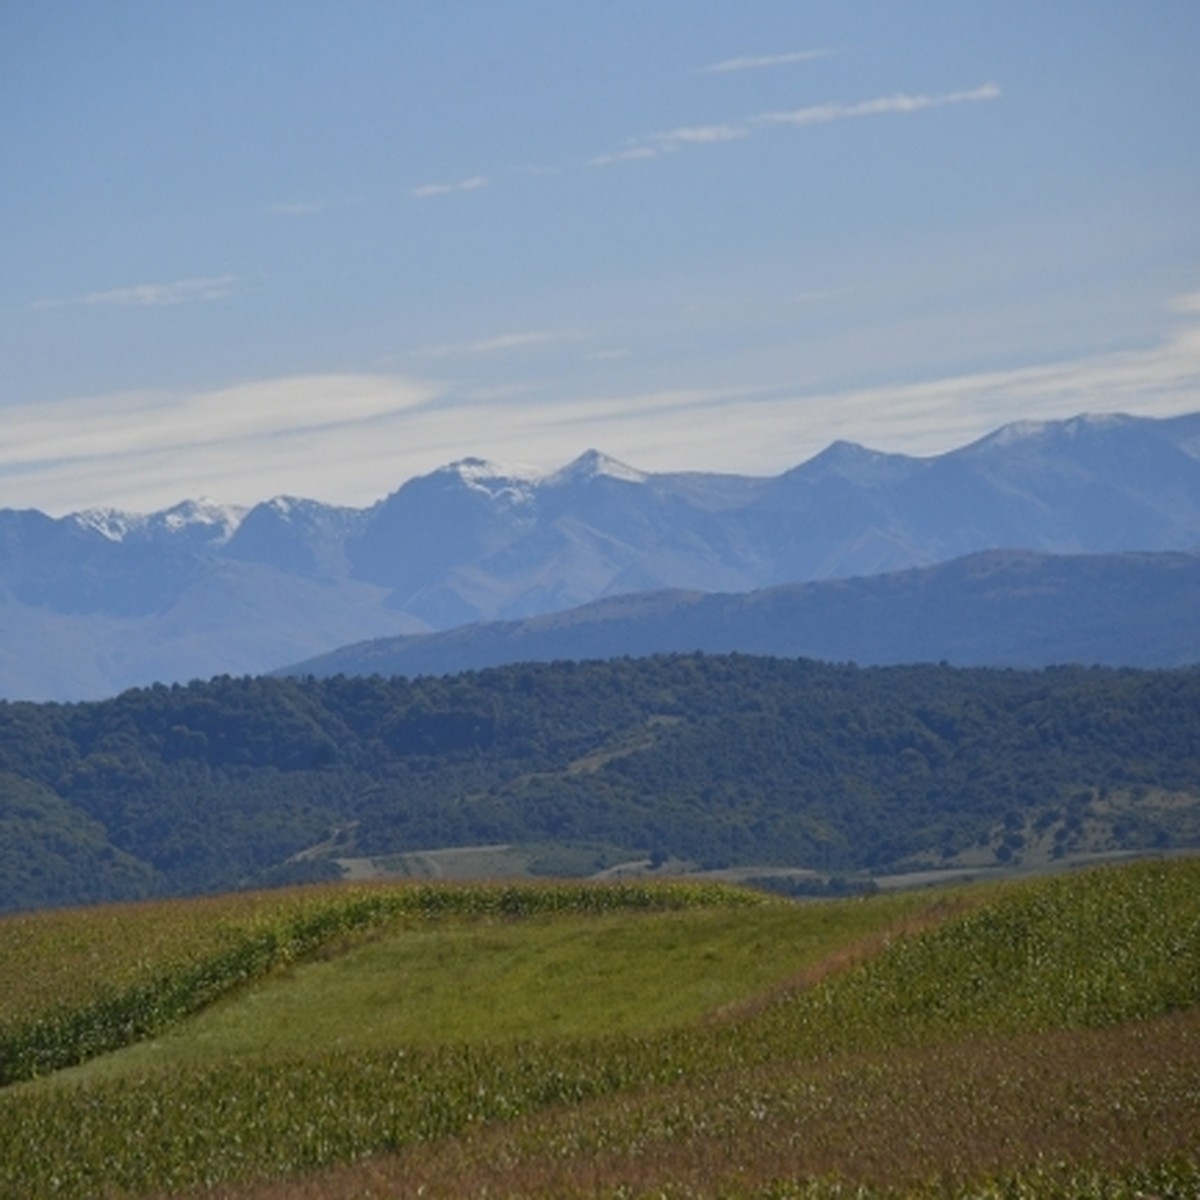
98 601
576 1040
1002 608
705 762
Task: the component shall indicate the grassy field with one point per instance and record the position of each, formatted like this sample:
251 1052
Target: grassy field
87 981
1035 1039
472 983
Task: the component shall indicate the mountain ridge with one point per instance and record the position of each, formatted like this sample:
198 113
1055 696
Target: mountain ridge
998 608
477 541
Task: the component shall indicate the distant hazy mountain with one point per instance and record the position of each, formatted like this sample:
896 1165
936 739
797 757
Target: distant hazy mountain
97 601
996 608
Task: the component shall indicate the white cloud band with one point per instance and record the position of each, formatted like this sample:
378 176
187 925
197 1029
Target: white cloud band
655 145
448 189
759 62
820 114
353 438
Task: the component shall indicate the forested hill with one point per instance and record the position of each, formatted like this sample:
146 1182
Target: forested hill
709 760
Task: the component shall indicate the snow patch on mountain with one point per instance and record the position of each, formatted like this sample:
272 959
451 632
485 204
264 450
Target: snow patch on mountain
513 483
593 464
201 515
110 523
201 519
1070 429
857 464
287 506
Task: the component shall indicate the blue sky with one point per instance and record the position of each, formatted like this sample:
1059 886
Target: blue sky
254 247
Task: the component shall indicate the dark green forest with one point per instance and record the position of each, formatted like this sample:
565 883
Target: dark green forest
712 761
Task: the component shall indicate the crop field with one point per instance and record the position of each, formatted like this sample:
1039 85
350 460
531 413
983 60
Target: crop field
1039 1038
82 982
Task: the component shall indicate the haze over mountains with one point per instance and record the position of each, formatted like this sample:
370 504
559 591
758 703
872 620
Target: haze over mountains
1007 608
94 602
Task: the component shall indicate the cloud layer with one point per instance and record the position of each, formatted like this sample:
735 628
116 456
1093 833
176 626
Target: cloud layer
353 438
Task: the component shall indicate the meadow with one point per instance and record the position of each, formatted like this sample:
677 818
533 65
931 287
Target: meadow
1039 1038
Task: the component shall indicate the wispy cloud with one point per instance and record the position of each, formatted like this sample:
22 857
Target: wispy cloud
297 208
138 449
137 422
759 62
448 189
152 295
502 342
902 102
635 152
656 145
933 415
353 438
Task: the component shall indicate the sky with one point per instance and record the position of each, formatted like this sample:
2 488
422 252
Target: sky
317 247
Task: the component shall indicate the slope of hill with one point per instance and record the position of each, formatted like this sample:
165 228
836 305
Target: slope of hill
706 761
670 1040
997 608
94 602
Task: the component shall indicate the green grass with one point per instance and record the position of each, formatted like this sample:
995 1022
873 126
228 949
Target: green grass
89 981
1079 951
1042 1039
477 982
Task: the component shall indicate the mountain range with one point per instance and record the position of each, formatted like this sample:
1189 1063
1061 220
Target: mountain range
1011 608
97 601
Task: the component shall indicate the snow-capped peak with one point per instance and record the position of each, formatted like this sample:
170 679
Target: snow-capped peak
292 507
592 463
201 515
204 519
1016 432
843 451
111 523
500 481
483 470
